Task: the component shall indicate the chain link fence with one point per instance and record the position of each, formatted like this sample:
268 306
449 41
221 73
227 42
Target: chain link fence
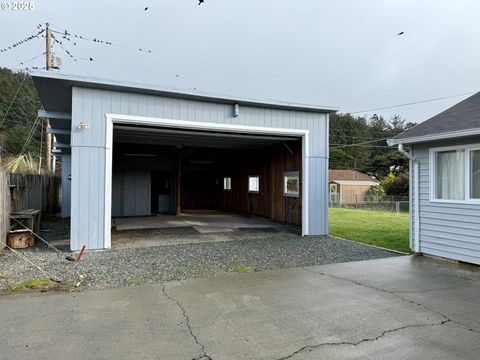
385 203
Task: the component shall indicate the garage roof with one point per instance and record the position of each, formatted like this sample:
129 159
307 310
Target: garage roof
55 93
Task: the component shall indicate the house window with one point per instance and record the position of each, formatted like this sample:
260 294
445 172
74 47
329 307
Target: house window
227 183
475 174
456 174
450 175
291 184
253 184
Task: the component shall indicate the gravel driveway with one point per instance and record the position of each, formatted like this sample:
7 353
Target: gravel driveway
256 251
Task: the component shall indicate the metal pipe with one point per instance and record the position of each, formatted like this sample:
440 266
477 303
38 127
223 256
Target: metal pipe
416 197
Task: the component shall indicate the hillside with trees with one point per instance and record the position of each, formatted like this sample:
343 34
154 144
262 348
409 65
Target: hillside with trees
359 143
19 104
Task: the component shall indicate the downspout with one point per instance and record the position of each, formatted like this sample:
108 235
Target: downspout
416 198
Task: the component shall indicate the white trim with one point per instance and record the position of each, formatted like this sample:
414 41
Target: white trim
194 125
291 174
305 186
107 231
415 180
416 206
54 115
432 178
433 137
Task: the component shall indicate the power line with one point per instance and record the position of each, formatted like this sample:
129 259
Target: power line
31 59
14 97
21 42
334 146
363 143
35 57
413 103
68 36
29 137
176 76
55 41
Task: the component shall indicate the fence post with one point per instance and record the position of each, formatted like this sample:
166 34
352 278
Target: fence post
4 207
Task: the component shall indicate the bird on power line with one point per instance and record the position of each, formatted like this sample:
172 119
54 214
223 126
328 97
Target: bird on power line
146 8
401 33
200 2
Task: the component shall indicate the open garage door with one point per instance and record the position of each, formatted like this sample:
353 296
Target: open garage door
185 167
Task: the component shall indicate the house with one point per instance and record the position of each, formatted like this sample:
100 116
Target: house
445 184
349 186
134 150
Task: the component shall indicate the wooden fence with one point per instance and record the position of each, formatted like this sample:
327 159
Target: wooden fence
19 192
4 208
35 192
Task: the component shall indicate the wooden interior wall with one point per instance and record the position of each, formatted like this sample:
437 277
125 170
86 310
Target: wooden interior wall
270 165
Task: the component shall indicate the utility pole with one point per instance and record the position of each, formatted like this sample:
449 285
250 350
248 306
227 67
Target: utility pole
48 44
48 137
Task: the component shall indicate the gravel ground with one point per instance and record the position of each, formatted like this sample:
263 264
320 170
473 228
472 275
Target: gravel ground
256 251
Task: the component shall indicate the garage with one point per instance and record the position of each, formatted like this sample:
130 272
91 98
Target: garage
137 152
183 169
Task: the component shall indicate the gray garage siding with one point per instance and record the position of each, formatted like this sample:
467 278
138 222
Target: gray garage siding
89 148
450 230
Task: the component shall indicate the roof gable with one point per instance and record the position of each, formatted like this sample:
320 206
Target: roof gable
349 175
461 117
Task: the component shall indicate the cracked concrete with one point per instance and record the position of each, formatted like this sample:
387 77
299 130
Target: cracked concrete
203 354
312 347
396 308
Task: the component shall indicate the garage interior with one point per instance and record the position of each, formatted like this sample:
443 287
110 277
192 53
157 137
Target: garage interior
209 181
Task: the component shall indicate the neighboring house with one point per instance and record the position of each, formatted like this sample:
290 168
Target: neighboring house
349 186
445 184
131 150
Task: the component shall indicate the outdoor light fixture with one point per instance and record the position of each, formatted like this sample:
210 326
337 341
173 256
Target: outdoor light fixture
236 110
82 126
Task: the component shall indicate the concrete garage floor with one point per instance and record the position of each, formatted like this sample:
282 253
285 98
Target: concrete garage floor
395 308
172 230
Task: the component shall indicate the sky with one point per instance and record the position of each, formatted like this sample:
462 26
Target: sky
340 53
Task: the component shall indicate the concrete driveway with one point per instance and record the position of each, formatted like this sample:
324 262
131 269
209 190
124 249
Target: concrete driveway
395 308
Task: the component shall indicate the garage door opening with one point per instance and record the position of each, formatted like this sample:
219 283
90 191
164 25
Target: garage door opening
206 181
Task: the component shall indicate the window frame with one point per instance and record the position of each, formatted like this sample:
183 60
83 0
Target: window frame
467 173
291 174
230 183
248 184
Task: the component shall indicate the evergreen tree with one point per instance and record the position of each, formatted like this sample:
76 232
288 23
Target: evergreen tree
19 119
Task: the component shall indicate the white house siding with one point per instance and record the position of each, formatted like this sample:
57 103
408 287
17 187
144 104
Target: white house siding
89 148
450 230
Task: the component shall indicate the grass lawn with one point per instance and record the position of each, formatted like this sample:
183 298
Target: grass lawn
380 228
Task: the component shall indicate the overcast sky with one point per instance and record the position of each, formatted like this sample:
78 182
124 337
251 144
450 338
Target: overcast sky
343 53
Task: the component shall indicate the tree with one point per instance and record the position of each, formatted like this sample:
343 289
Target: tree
360 144
17 121
396 185
376 193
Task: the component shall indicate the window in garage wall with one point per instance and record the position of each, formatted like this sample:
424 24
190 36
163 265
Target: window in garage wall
291 184
227 183
253 184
